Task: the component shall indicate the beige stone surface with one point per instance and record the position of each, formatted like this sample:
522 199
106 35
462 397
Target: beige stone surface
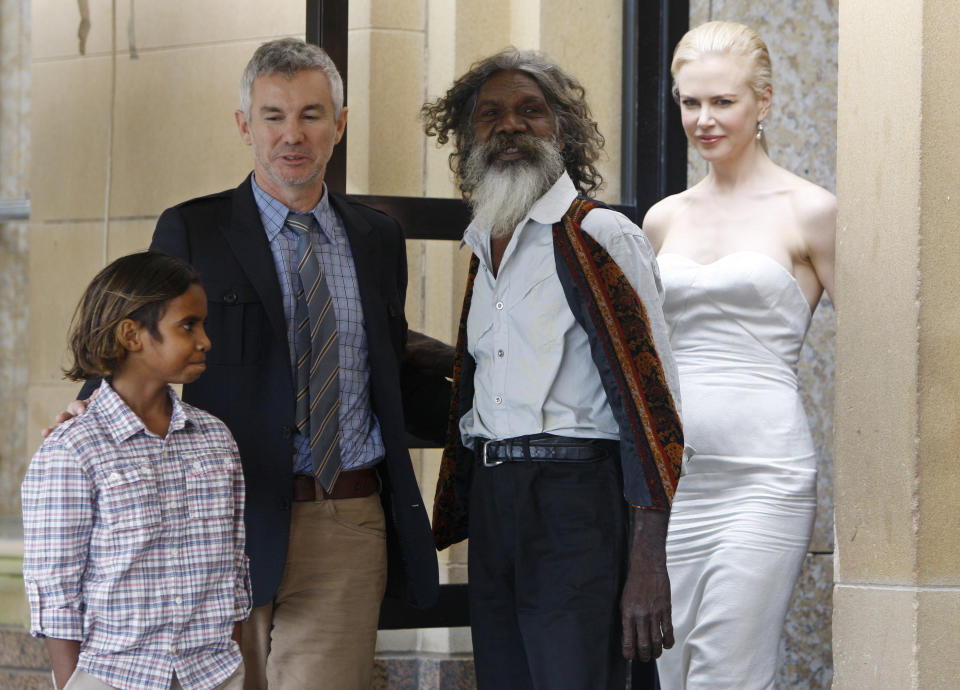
13 362
877 626
175 137
938 640
525 23
161 25
480 29
877 286
14 98
398 14
19 650
593 55
439 75
128 236
385 142
939 318
44 402
396 94
406 15
70 111
14 184
358 101
64 257
56 24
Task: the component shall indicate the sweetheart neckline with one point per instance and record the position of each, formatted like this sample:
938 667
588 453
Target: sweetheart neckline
793 278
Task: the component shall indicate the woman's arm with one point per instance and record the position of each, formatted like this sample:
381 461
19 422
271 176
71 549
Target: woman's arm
819 227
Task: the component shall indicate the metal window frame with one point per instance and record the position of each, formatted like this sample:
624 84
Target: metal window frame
653 165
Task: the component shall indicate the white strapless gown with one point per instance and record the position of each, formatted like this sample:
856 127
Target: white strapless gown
744 509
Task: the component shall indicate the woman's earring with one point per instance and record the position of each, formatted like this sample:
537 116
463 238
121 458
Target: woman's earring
760 130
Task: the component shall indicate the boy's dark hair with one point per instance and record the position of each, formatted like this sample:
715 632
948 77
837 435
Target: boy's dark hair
138 287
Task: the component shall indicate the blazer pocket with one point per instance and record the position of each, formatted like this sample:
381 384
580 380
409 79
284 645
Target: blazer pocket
235 324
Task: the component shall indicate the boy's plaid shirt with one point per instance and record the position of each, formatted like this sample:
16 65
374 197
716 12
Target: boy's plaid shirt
134 545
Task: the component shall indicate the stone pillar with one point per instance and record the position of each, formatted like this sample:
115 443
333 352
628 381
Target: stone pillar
897 592
14 178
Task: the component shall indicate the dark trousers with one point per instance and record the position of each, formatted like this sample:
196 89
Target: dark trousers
547 559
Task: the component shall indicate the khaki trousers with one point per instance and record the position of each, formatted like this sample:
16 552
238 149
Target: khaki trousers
81 680
320 631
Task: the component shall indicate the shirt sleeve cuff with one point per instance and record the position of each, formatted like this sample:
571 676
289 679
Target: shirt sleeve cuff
53 612
243 598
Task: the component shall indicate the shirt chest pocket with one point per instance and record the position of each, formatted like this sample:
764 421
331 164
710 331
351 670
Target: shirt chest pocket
532 309
129 500
540 313
210 486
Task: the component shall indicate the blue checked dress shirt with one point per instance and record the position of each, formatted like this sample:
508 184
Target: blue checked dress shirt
134 545
361 444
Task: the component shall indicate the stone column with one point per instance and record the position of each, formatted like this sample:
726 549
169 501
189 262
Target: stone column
897 592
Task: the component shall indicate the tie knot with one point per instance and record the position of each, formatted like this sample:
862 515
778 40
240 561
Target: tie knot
301 223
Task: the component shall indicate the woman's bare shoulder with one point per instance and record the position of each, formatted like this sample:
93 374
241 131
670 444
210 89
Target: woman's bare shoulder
812 203
662 215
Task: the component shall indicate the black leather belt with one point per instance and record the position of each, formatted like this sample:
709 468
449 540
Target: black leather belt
544 448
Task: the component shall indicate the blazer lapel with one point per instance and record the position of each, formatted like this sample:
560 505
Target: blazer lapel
247 238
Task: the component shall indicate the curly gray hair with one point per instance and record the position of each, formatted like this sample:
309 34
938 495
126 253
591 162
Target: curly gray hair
451 116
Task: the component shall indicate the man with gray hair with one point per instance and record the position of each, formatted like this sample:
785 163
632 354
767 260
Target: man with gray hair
306 295
565 429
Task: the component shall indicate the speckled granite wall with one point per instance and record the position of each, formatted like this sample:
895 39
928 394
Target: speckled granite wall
14 163
801 133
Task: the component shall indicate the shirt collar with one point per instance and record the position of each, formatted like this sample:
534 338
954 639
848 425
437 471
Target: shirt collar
121 423
547 210
273 213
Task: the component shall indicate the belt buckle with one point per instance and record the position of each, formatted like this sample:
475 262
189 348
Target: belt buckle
486 462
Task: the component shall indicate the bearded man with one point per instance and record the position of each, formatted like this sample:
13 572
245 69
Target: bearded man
565 443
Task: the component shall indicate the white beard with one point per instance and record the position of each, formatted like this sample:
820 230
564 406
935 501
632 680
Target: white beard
503 194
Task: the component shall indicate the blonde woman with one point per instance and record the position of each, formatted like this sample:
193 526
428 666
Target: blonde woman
745 255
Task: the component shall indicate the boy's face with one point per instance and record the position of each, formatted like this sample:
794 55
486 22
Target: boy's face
179 354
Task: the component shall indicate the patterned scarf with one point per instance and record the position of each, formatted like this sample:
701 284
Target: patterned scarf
605 305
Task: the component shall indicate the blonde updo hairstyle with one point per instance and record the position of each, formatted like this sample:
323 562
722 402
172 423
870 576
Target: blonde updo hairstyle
726 38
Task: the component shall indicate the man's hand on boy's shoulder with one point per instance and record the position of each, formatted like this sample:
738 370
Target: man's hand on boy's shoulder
74 409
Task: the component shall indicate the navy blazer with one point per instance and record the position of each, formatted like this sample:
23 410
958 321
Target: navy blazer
248 381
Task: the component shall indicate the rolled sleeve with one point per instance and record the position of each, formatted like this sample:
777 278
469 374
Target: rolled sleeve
57 524
242 591
242 594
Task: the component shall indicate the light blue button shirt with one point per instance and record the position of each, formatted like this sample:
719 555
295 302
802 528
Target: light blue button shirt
361 444
535 372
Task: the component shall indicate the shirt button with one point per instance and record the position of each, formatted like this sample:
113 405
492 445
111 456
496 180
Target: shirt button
499 353
499 305
498 400
178 601
174 552
197 466
114 477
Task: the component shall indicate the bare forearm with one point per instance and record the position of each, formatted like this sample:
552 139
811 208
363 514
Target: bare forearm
63 658
648 546
645 604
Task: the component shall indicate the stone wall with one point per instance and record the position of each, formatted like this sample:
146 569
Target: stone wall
14 171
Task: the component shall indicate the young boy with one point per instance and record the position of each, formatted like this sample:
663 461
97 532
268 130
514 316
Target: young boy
134 558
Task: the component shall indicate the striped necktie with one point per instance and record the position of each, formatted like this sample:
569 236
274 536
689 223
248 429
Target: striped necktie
318 366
